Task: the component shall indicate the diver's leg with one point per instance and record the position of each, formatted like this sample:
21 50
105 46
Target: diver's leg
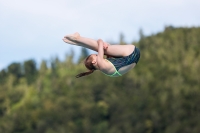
113 50
76 39
119 50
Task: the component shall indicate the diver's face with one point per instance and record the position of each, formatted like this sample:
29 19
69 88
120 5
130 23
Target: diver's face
94 58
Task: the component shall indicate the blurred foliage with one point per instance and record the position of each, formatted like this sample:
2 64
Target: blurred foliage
160 95
84 54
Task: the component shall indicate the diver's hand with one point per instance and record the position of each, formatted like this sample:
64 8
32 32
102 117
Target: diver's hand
105 45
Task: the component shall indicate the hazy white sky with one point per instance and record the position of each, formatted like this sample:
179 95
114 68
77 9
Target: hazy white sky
33 29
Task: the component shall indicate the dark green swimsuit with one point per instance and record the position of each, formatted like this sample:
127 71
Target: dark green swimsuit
124 61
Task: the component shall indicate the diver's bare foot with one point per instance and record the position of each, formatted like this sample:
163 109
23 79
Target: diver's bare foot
73 37
70 42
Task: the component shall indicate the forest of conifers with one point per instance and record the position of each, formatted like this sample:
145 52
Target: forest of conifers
160 95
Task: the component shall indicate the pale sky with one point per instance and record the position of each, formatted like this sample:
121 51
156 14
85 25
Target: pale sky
33 29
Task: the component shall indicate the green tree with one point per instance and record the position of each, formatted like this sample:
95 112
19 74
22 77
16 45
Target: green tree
15 69
30 70
43 67
3 75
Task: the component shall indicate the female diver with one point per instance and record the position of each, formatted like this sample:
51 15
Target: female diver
120 58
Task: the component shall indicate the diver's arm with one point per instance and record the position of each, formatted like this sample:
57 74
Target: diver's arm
100 56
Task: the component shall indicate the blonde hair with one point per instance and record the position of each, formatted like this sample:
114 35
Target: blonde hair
89 66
